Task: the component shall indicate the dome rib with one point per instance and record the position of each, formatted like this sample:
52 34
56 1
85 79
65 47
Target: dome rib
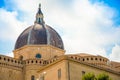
38 35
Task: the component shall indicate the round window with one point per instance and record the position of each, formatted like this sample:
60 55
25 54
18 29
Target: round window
38 55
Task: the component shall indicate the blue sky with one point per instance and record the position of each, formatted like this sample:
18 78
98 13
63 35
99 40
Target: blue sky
86 26
2 4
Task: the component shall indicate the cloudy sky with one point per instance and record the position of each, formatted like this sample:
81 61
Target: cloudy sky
86 26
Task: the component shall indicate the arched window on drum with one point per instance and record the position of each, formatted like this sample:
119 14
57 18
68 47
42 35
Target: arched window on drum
32 77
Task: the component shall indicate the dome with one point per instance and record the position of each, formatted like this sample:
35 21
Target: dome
39 34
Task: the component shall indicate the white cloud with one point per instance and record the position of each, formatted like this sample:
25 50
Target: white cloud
87 27
10 27
115 55
84 26
10 54
88 24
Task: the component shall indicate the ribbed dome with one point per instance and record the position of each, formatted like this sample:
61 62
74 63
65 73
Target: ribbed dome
39 34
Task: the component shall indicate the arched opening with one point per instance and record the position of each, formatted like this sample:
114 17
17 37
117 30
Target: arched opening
32 77
4 58
91 58
95 58
15 61
21 57
32 61
100 59
8 60
83 59
87 58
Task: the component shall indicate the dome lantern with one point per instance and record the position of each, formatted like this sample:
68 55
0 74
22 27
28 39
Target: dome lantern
39 16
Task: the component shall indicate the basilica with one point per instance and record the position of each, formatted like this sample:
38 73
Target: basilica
39 54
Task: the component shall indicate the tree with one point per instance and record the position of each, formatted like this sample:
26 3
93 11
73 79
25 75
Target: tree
91 76
88 76
103 76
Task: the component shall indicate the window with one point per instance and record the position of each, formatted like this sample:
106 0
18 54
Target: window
21 57
39 20
38 55
59 73
83 72
32 77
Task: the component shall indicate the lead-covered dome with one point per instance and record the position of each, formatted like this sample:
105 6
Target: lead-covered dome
39 34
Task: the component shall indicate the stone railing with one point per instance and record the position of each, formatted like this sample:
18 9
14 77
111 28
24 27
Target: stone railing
41 61
9 61
90 59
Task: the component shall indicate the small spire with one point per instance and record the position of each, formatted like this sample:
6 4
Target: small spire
39 16
39 5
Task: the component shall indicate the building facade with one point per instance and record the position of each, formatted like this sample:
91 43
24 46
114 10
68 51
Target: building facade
39 55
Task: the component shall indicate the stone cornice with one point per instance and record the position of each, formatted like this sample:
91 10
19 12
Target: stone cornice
38 46
80 62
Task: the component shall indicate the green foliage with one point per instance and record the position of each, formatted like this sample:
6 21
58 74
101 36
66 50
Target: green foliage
88 76
103 76
91 76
